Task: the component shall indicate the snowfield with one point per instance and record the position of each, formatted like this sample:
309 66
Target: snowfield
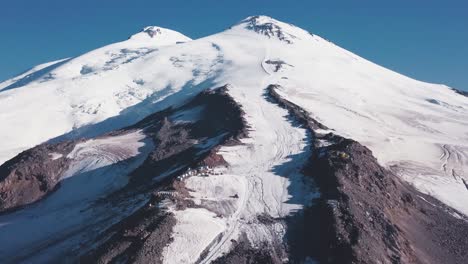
98 153
416 129
195 229
109 82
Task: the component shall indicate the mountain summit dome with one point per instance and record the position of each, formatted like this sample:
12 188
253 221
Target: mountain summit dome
159 35
273 28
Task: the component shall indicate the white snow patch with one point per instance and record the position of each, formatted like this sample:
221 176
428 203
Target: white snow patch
194 231
55 156
97 153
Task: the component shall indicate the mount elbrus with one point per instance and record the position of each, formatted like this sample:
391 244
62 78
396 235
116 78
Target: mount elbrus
260 144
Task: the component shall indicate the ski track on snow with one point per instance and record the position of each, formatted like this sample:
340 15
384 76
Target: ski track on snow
270 144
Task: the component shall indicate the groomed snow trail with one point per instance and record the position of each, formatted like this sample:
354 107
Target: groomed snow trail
262 174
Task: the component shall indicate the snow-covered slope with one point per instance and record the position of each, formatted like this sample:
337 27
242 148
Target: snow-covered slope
408 123
416 129
88 89
39 71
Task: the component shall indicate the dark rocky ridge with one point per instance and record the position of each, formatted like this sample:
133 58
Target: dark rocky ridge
179 145
141 237
279 64
268 29
464 93
222 121
32 174
366 214
243 253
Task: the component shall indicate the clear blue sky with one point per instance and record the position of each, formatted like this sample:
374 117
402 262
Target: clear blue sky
424 39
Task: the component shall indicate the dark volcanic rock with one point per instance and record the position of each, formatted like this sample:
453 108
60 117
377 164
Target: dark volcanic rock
214 159
373 215
465 93
32 174
221 122
277 63
360 197
366 213
268 29
184 137
141 237
244 253
296 112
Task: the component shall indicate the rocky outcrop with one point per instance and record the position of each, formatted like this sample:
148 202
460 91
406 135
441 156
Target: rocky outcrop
243 252
269 27
187 145
374 216
214 159
366 214
32 174
464 93
277 64
141 237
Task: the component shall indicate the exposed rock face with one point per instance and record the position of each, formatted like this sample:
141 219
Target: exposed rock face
278 64
141 237
244 253
214 159
221 122
359 198
268 27
32 174
376 216
465 93
366 214
152 31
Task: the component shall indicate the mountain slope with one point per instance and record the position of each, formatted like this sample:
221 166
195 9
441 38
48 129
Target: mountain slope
256 187
89 89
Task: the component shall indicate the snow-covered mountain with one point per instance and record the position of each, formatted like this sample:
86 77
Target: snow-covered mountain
137 135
